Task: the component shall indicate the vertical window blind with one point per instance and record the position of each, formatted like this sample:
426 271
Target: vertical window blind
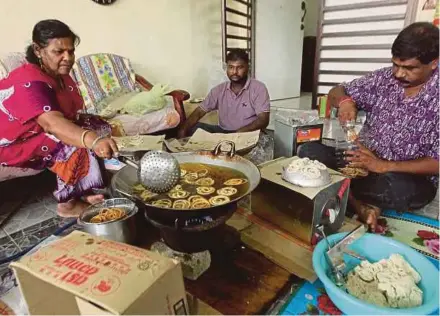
355 37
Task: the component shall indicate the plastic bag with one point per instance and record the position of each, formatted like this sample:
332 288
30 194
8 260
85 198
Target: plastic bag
147 101
298 117
263 152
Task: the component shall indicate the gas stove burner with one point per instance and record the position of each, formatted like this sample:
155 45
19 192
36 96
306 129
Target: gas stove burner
192 234
193 264
198 221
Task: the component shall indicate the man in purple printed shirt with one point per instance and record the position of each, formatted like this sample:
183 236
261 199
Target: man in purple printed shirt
400 138
242 103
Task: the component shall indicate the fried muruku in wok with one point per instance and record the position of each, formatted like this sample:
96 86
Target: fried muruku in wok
227 191
205 190
201 186
235 182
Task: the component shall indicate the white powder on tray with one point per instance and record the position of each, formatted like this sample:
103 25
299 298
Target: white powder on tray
389 283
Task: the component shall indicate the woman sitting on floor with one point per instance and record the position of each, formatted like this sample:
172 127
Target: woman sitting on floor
39 103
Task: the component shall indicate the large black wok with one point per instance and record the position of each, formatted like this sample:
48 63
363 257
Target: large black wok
125 178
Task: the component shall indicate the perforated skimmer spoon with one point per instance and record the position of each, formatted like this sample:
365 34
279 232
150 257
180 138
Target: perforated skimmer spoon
158 171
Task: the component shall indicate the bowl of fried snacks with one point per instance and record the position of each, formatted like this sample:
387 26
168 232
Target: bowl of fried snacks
113 219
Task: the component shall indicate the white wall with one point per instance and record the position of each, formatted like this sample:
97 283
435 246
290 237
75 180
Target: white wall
278 47
426 15
168 41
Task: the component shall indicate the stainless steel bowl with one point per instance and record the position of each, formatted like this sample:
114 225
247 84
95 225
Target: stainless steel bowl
122 230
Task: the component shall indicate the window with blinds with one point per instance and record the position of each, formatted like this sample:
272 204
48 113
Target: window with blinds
356 37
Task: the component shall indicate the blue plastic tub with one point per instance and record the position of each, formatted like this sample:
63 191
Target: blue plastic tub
375 248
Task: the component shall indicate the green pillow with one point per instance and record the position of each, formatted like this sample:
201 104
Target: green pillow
147 101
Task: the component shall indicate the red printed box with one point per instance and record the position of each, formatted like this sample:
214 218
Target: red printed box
85 275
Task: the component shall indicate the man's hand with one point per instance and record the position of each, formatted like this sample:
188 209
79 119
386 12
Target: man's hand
364 158
347 111
191 122
260 123
181 133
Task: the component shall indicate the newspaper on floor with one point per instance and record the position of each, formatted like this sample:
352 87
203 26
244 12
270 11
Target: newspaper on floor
139 143
203 140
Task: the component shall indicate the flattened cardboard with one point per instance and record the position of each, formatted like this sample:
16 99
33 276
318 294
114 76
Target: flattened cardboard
203 140
143 143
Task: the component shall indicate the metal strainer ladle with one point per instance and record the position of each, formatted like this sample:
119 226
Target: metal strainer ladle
158 171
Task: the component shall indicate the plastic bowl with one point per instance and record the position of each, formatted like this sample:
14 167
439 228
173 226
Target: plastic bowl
374 248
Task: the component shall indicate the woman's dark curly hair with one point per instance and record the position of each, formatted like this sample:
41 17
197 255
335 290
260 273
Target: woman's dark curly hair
418 40
46 30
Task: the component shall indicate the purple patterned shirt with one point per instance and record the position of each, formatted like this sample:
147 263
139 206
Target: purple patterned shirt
398 128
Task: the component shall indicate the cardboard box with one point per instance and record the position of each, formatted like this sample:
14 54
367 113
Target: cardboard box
299 210
85 275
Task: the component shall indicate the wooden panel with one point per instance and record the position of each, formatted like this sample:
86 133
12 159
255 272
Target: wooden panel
241 283
240 280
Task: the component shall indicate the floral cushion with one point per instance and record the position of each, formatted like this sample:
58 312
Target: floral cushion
9 62
106 79
102 77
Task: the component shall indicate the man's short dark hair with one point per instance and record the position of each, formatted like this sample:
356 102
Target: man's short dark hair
237 54
418 40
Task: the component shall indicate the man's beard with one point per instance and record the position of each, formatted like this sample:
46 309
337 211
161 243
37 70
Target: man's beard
239 81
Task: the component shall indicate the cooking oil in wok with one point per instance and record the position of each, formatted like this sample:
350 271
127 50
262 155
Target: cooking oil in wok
197 175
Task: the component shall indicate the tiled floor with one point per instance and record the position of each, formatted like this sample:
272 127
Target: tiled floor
27 212
35 211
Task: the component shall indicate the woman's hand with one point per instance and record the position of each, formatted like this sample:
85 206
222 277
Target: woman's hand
106 148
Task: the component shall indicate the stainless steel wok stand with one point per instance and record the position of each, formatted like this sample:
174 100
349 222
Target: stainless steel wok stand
192 241
193 264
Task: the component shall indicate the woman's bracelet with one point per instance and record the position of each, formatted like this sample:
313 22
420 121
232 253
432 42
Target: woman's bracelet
83 137
97 139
